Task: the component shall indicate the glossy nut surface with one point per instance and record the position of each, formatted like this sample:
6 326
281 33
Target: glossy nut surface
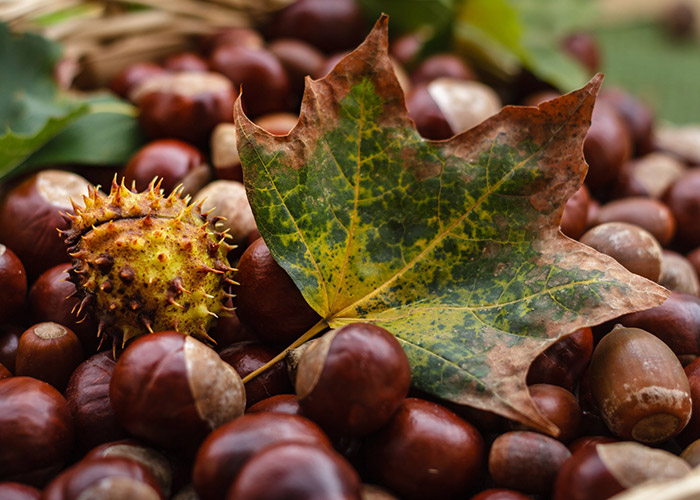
296 470
563 362
683 198
574 221
526 461
425 451
353 379
49 352
226 450
646 213
639 386
13 284
18 491
87 395
559 406
36 430
172 390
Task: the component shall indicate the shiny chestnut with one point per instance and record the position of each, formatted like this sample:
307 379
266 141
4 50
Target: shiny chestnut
13 284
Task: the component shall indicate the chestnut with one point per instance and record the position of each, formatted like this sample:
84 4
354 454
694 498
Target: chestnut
30 215
691 453
649 175
630 245
692 430
607 147
172 390
279 403
53 297
352 380
676 322
278 123
678 274
185 61
260 75
226 450
231 36
564 361
154 461
173 162
446 106
526 461
4 372
18 491
499 494
9 340
36 430
585 441
299 58
246 357
683 198
132 76
185 105
425 452
636 115
649 214
329 26
48 352
227 199
639 386
374 492
13 284
557 405
229 330
104 479
267 300
87 395
603 470
583 47
574 220
224 153
296 470
439 66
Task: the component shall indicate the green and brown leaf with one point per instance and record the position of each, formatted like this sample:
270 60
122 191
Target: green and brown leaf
453 246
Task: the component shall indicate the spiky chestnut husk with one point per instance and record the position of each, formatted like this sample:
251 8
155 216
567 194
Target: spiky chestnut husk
143 262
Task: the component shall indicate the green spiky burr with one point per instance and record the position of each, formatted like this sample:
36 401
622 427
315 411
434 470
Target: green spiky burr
143 262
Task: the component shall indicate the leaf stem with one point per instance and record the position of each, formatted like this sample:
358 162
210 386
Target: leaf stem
311 333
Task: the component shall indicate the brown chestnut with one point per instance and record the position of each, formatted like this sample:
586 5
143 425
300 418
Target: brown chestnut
678 274
4 372
425 452
299 58
559 406
278 123
606 148
353 379
280 403
9 340
231 36
583 47
564 361
526 461
30 215
691 453
132 76
639 386
224 153
601 471
13 284
173 162
52 297
185 61
651 215
636 115
259 74
676 322
630 245
227 199
48 352
227 449
18 491
574 221
329 26
229 330
87 395
439 66
683 198
267 300
185 105
296 470
649 175
499 494
246 357
105 478
36 430
692 430
172 390
154 461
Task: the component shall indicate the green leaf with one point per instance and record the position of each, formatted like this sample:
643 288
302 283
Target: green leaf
31 112
453 246
412 15
108 135
505 34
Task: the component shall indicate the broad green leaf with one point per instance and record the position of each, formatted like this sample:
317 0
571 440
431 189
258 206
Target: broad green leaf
31 111
108 135
500 32
432 18
453 246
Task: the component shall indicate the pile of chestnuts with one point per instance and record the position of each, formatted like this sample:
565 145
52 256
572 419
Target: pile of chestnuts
169 417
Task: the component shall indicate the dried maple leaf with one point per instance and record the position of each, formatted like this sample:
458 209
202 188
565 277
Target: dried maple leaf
453 246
